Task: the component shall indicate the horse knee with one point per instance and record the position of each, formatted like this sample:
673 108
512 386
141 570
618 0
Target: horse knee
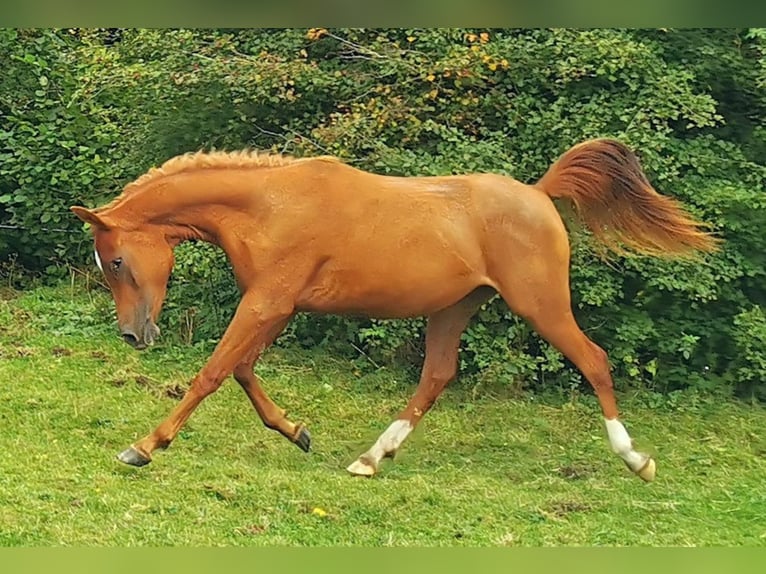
205 385
243 373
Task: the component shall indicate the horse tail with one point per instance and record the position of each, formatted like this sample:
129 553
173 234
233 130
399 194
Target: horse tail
604 181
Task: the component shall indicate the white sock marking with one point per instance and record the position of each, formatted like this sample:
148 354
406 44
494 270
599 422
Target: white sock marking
391 439
622 445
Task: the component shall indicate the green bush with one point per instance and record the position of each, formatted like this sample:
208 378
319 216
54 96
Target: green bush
56 147
749 338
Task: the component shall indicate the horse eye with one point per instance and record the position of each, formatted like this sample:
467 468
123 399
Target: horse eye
116 264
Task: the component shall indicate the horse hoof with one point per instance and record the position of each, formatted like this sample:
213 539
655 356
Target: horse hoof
132 457
361 468
303 440
648 471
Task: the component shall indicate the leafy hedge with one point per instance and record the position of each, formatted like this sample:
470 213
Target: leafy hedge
85 111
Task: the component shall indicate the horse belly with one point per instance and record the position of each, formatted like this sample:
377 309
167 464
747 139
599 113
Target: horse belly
394 287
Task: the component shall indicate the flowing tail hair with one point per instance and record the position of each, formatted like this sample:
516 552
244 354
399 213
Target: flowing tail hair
605 182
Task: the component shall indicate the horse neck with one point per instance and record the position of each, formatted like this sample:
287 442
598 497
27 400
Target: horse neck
192 206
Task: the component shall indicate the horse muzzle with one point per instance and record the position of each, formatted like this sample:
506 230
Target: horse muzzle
146 337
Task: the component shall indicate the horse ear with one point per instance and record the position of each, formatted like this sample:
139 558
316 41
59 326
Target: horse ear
88 216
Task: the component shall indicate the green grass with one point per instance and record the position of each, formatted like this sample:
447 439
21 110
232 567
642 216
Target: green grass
483 469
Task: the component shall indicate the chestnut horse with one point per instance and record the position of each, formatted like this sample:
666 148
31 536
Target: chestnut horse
315 234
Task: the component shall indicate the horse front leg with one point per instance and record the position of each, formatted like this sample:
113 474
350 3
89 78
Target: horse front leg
271 415
245 337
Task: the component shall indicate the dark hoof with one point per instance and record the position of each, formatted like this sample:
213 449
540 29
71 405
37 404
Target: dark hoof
132 457
304 440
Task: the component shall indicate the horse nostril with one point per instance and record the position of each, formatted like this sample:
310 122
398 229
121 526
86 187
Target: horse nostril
130 339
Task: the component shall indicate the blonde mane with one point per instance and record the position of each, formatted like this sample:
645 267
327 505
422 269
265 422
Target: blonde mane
218 159
210 160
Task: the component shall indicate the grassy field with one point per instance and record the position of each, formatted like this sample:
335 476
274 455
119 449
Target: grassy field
484 469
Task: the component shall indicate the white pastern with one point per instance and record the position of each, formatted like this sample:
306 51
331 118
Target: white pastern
394 435
389 442
623 445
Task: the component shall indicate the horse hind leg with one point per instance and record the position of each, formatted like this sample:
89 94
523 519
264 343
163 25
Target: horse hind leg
439 368
542 297
563 333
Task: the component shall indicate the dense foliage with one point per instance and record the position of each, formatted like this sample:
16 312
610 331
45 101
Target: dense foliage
86 111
